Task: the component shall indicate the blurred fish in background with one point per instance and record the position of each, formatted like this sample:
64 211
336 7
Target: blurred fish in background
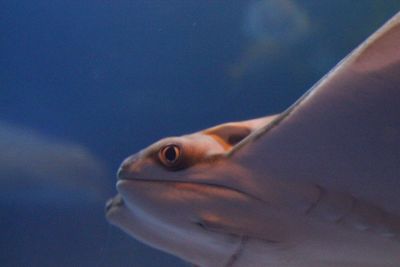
35 167
270 27
280 21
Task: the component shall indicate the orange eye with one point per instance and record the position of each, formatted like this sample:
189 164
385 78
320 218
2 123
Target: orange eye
170 155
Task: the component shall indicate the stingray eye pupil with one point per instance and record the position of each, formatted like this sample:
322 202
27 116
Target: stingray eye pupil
170 154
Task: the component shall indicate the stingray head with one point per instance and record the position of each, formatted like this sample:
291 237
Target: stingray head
185 196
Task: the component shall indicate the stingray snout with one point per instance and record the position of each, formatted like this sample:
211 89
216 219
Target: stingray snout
126 169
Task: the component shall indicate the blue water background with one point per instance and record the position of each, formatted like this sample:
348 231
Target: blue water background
115 76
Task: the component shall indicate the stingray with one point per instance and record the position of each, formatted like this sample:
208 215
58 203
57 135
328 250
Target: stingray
315 186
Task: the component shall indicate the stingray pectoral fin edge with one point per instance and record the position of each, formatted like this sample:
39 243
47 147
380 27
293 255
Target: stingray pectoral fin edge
343 133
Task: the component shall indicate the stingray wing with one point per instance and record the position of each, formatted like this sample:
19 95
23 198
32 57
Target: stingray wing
344 133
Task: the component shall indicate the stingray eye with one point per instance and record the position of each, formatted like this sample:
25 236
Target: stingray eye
170 155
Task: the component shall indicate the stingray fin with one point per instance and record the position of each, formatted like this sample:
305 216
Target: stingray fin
344 133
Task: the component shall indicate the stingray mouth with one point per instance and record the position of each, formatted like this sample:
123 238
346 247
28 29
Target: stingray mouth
113 204
126 178
188 186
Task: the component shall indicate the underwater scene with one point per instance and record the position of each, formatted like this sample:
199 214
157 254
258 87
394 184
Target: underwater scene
84 84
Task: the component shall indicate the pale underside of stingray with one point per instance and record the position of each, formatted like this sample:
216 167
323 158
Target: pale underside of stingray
317 185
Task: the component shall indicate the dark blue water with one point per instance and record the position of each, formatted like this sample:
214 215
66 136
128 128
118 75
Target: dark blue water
83 84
